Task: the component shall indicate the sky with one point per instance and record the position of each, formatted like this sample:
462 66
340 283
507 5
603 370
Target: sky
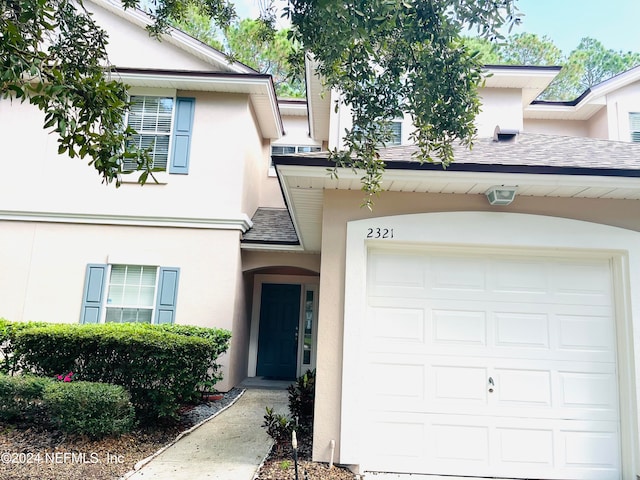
615 23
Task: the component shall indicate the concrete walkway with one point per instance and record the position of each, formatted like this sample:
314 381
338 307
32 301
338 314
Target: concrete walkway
230 446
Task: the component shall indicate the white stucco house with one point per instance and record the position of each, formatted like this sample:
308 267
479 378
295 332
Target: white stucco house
481 321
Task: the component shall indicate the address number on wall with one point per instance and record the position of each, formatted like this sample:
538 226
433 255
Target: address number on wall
378 232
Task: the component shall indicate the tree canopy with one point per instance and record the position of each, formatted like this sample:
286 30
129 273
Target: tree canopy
387 58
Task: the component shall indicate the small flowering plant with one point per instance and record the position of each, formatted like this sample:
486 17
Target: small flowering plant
65 378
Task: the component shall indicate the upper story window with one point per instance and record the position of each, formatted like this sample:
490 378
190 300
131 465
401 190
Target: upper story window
151 117
291 149
396 133
634 126
163 124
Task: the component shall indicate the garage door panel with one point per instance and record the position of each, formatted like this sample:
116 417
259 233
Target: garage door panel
517 277
539 449
522 329
588 390
590 449
407 324
586 333
523 387
462 384
463 327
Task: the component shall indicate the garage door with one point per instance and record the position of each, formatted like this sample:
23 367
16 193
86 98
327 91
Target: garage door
489 365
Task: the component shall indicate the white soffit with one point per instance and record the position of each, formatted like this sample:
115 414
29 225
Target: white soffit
531 80
583 110
303 188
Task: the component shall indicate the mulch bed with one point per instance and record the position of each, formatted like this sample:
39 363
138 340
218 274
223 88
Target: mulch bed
38 454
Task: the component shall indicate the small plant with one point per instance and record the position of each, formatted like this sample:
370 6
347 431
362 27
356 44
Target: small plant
301 401
285 464
279 427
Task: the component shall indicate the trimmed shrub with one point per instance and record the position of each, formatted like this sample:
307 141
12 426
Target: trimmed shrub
20 398
85 408
9 361
162 366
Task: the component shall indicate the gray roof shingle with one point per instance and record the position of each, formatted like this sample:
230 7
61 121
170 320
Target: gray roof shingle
528 150
271 226
532 149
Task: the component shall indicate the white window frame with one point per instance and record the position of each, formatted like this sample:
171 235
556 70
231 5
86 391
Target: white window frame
297 149
107 305
161 177
634 127
395 141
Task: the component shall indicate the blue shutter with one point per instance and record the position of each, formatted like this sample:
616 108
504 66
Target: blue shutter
167 295
182 127
93 295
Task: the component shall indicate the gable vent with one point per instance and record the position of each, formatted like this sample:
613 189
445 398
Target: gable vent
504 135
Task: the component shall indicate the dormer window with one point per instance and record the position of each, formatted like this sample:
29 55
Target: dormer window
634 126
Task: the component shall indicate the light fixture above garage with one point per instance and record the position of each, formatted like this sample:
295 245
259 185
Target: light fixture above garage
501 194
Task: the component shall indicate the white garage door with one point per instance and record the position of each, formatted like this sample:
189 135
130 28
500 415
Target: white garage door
481 365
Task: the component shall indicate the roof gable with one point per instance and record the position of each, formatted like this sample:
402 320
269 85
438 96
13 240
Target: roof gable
130 45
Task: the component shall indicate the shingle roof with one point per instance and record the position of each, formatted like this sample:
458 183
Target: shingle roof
271 226
531 149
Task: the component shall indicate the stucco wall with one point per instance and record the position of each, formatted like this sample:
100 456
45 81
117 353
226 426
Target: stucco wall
54 183
342 206
500 107
619 104
571 128
130 46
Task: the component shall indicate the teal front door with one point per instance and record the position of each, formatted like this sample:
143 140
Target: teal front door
278 337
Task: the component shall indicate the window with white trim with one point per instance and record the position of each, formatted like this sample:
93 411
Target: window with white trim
163 125
291 149
151 117
131 294
396 133
634 126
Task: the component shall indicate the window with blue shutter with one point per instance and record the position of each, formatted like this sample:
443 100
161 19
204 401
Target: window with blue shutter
182 126
134 293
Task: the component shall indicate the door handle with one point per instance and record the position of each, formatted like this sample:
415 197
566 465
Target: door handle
491 384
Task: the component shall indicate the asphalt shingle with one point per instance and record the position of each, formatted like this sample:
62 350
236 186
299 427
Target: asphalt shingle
271 226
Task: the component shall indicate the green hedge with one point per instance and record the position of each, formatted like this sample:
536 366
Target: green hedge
8 331
81 408
21 398
85 408
161 366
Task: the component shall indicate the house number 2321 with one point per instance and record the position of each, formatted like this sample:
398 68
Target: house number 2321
379 232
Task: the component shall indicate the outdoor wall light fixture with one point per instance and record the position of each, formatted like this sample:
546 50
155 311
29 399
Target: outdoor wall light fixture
501 195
